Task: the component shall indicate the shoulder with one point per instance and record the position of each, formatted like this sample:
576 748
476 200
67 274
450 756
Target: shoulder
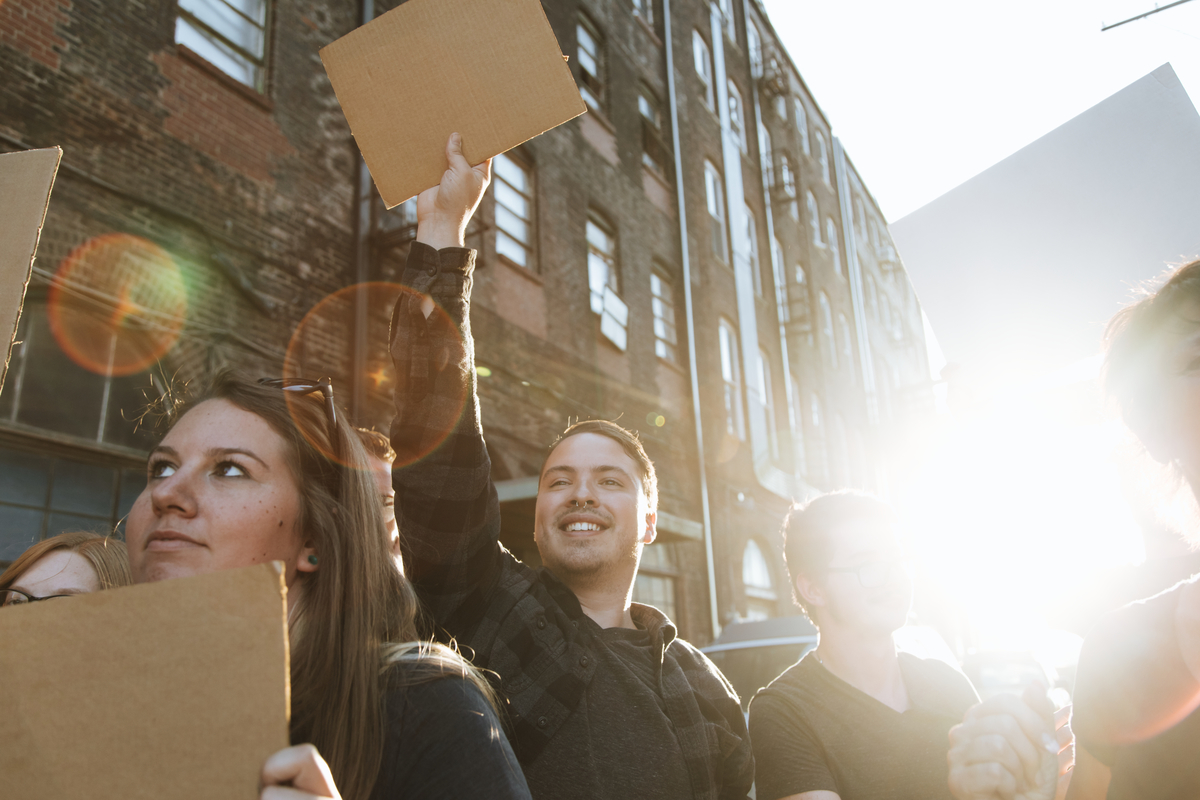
945 688
701 672
790 691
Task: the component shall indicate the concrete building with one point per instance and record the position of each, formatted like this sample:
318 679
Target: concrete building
695 257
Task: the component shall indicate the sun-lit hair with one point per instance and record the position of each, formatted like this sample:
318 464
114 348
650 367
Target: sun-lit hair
1132 364
807 544
357 614
630 443
377 444
106 555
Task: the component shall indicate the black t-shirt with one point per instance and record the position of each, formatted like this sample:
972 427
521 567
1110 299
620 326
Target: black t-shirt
1135 702
444 742
812 731
618 743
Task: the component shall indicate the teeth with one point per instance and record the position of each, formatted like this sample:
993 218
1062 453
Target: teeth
583 526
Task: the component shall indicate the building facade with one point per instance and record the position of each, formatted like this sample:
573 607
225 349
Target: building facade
695 257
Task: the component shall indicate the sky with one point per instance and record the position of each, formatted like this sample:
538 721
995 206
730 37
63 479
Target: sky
925 94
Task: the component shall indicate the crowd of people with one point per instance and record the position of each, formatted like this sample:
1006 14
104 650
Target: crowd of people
427 661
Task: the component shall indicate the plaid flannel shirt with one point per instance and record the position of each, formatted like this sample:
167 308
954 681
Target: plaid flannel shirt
522 624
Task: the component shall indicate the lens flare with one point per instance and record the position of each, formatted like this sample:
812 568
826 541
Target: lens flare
117 304
319 346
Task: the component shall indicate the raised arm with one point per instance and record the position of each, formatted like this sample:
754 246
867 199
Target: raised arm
446 505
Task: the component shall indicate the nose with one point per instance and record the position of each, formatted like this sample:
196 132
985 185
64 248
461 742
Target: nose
173 494
582 494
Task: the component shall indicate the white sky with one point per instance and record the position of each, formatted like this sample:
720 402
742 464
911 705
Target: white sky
928 93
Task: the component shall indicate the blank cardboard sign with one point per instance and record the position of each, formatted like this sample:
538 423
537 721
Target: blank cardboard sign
25 181
488 69
176 689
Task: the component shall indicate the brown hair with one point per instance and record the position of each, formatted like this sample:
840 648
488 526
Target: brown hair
377 444
1131 366
357 614
629 442
106 555
807 546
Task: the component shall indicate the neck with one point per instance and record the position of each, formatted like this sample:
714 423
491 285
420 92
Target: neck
867 662
607 605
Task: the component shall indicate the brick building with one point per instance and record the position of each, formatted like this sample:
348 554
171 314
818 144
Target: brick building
695 257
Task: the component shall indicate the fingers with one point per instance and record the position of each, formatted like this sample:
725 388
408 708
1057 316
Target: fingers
454 154
1037 726
998 738
299 768
981 782
485 169
1037 698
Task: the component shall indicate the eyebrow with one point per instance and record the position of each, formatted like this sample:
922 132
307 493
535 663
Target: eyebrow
214 452
602 468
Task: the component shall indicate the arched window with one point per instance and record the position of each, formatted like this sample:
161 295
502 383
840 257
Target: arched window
757 581
827 330
731 379
814 219
823 157
714 197
831 239
754 40
768 158
737 116
802 125
702 59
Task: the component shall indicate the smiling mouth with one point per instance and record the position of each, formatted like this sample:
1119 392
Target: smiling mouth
582 527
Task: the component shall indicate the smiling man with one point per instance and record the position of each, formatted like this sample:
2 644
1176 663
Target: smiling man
604 701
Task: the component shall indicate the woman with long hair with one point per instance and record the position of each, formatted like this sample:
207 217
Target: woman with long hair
250 472
70 563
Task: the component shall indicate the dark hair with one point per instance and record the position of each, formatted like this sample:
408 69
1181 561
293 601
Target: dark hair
377 444
106 555
1132 370
807 546
629 442
357 613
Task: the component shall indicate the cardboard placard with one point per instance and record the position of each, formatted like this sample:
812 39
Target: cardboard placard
176 689
25 182
491 70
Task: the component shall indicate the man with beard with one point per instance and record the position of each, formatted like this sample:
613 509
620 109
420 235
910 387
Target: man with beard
854 719
604 701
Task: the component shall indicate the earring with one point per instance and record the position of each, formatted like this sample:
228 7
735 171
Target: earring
312 560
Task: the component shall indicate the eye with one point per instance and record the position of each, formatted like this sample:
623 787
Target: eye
229 469
160 469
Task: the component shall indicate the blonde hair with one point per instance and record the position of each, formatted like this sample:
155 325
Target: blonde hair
106 555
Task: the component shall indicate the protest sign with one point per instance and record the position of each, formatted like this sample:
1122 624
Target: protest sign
177 689
25 181
491 70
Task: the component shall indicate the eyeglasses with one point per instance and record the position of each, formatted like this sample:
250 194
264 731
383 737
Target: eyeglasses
304 386
15 597
873 574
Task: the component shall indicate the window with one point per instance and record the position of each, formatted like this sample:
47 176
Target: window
787 176
780 104
645 10
801 277
827 330
591 64
714 196
799 456
781 290
767 400
513 188
823 158
604 283
703 61
662 301
229 34
802 124
756 579
654 149
726 7
831 239
737 116
731 378
768 158
814 219
754 42
655 581
752 252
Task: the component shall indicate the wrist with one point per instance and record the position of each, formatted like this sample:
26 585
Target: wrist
439 233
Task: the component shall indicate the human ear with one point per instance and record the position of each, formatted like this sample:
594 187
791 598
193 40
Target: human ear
651 531
811 591
308 560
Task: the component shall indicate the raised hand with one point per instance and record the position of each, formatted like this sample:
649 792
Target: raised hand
298 773
443 211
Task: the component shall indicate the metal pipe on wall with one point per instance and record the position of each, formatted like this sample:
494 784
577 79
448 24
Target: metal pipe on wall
362 272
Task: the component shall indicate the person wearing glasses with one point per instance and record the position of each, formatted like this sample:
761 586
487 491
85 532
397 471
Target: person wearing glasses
64 565
256 471
382 456
854 719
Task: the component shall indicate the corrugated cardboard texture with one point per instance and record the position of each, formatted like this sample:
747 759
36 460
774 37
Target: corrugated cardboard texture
25 181
176 689
488 69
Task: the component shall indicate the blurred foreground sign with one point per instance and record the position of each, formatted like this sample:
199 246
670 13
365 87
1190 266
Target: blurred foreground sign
488 69
25 181
176 689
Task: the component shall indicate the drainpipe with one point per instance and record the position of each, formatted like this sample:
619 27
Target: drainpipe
362 272
850 247
689 315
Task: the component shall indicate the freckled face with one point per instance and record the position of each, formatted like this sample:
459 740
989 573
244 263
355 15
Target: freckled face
220 494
